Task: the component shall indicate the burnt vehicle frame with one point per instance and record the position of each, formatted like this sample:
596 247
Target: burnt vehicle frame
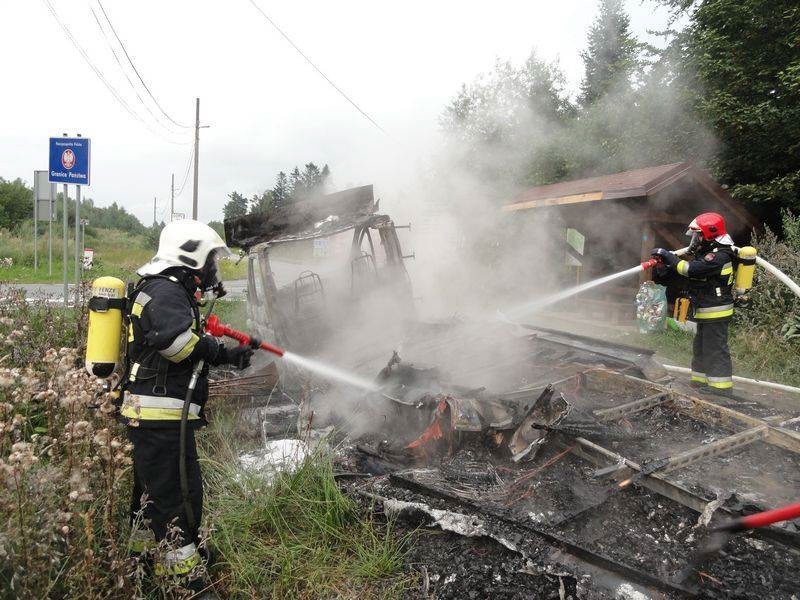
298 314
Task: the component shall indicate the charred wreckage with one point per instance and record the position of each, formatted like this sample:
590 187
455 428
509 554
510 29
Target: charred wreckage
558 465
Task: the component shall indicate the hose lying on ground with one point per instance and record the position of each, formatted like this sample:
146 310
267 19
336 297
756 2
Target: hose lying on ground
758 382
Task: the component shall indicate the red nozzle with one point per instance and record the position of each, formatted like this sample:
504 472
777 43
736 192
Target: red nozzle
649 264
217 329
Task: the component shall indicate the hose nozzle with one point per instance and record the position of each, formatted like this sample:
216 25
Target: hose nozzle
217 329
649 264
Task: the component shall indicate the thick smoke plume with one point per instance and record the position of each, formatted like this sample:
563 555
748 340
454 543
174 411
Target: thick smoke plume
511 129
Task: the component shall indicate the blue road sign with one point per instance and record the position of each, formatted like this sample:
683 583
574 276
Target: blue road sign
69 160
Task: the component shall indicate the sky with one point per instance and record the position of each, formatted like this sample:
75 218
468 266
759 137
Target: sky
267 109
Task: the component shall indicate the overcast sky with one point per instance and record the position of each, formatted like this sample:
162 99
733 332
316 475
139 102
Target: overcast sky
267 108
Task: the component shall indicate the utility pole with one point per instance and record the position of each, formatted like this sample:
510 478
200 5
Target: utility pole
172 199
155 223
196 154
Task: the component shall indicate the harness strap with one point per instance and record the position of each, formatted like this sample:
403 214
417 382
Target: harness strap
160 388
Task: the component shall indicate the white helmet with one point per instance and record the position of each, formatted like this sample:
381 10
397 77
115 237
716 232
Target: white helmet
185 243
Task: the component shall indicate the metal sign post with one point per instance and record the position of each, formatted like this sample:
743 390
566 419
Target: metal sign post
35 222
70 160
53 210
64 260
42 197
78 249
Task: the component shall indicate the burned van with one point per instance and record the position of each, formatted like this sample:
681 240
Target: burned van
321 267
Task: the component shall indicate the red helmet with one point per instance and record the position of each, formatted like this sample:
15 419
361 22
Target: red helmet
710 225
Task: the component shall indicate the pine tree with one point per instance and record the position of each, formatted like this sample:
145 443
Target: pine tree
235 207
281 193
612 53
296 187
260 204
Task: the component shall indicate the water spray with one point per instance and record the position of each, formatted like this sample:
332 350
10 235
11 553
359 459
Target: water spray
578 289
217 329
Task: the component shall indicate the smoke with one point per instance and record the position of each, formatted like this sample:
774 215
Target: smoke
513 128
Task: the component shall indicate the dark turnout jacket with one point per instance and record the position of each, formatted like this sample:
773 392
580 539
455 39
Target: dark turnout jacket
707 279
165 342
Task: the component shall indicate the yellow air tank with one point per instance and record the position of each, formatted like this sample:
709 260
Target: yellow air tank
746 269
105 326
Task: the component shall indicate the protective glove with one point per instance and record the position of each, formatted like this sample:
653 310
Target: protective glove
668 258
255 343
240 356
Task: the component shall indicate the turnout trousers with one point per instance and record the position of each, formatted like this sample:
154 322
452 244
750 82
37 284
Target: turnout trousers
711 358
157 497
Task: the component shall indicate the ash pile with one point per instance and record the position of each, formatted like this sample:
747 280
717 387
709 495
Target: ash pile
566 468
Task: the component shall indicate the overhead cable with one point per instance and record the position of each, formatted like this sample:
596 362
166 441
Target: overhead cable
186 174
102 78
317 69
125 73
135 70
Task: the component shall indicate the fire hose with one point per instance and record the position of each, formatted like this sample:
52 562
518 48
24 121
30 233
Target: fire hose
722 533
768 266
217 329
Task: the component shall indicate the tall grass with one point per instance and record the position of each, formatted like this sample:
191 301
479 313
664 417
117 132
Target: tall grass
297 536
118 253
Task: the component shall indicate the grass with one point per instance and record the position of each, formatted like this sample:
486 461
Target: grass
232 312
116 253
756 353
296 537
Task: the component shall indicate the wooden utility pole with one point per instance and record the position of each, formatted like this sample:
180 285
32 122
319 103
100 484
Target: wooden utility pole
155 223
196 154
172 199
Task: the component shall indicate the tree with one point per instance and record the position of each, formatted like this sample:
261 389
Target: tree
296 188
235 207
743 60
262 203
503 126
612 53
281 193
16 203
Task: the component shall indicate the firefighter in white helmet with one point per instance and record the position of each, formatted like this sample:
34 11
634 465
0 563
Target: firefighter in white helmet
165 342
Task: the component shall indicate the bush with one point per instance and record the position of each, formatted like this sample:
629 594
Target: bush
772 303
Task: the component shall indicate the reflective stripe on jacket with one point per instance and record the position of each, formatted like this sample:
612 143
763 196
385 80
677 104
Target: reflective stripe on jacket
164 344
709 281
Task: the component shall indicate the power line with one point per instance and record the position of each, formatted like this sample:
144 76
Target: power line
186 174
125 73
100 75
135 70
317 69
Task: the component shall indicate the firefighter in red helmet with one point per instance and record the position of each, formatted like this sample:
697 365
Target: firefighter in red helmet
706 274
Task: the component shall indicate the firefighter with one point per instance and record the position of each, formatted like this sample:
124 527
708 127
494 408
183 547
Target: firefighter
164 345
706 275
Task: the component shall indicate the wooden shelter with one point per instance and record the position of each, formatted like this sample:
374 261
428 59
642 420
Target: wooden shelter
621 216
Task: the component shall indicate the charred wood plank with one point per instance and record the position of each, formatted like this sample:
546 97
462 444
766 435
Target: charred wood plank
659 484
590 556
